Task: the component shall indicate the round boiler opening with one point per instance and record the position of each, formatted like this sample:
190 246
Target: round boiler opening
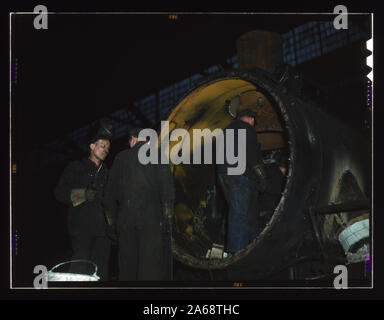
200 220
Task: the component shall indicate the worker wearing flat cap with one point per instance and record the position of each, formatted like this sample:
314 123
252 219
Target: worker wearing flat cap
139 201
81 188
241 191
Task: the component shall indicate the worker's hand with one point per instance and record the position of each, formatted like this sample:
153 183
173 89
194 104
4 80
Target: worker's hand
261 177
78 196
90 194
168 210
111 226
109 218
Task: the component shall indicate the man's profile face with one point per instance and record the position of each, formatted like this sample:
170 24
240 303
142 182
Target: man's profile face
100 149
132 141
249 120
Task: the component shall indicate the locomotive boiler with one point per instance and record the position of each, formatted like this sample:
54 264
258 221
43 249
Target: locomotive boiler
323 215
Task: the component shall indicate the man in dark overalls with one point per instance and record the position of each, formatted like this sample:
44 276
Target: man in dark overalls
81 188
139 203
241 191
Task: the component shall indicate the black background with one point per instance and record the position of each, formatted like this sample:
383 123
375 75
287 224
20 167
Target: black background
83 69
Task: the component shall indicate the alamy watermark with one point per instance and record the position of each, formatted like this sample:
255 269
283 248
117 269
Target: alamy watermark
232 146
40 281
41 20
341 21
341 280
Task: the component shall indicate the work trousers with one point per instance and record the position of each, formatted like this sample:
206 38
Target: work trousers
141 247
241 196
92 248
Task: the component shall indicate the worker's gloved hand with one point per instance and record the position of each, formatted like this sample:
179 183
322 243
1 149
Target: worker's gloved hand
78 196
167 216
260 176
90 194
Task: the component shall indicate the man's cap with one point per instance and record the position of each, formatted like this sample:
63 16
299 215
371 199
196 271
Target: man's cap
246 113
102 130
245 104
134 132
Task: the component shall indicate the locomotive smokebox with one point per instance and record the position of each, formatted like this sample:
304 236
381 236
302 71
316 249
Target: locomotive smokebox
325 198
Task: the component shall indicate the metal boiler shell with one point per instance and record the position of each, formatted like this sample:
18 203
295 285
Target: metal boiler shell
321 148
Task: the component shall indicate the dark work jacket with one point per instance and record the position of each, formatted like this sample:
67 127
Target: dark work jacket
253 153
87 218
134 188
